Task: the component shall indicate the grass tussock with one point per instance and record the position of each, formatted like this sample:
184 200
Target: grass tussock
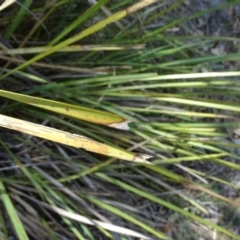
124 80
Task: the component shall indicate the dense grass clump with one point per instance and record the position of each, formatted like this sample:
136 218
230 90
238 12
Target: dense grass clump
119 120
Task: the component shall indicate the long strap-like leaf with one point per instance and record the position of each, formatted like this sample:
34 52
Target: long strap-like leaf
70 139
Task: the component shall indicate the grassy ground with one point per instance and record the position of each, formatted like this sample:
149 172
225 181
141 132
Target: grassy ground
171 68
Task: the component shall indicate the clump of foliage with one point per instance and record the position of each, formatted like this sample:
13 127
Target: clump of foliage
124 80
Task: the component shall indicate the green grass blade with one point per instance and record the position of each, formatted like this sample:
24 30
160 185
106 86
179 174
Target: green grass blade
81 19
17 19
12 213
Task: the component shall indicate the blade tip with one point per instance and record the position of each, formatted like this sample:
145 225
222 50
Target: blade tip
122 125
142 158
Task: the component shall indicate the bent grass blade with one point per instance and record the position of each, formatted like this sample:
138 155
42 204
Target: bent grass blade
70 139
86 114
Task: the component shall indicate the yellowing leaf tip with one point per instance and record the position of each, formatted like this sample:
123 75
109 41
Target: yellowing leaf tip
122 125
